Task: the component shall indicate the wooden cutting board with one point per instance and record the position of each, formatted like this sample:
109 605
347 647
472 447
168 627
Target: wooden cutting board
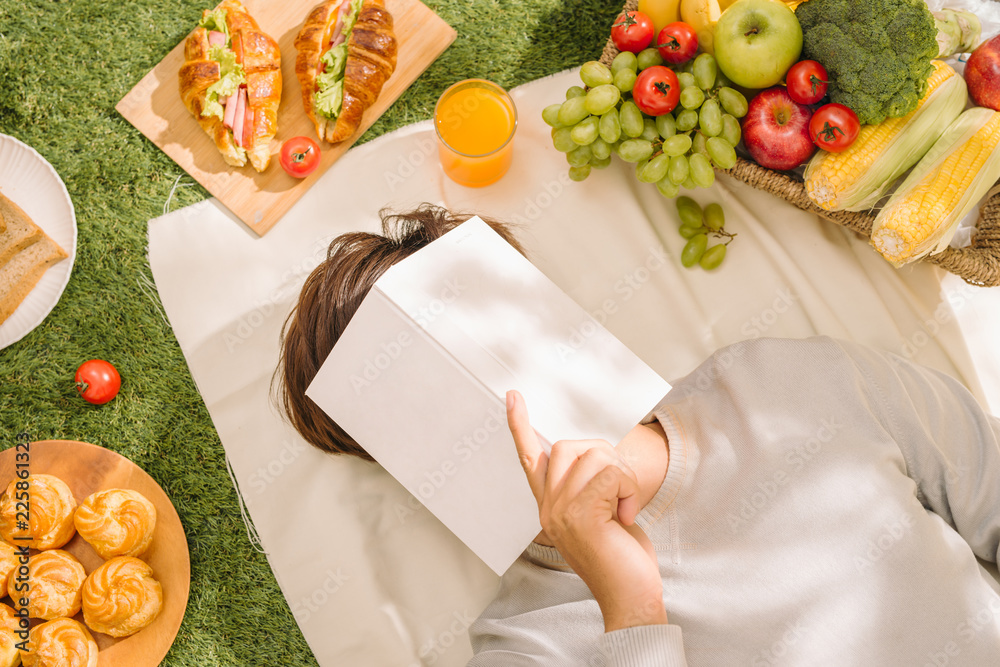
154 106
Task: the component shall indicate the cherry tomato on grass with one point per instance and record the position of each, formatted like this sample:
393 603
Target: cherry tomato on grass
656 90
97 381
632 31
300 156
834 127
807 82
677 43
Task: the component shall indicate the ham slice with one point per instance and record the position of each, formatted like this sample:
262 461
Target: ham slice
241 112
216 38
230 103
338 28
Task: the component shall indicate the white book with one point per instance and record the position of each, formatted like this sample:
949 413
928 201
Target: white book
419 379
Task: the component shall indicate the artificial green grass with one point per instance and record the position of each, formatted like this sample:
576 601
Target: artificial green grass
64 64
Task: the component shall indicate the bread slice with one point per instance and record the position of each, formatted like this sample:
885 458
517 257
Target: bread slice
23 271
20 231
3 223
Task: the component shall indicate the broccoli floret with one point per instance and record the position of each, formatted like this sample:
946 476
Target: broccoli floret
876 40
902 103
878 52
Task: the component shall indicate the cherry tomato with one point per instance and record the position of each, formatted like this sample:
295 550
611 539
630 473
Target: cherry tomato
97 381
299 156
807 81
677 42
632 31
656 90
834 127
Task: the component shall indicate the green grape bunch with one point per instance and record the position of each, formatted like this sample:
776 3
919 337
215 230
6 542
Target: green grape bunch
680 149
697 225
677 149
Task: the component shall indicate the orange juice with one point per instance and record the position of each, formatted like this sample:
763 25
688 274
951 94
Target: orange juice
475 122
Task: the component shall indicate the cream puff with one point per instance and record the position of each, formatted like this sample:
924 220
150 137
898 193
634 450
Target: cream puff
54 579
8 563
10 625
50 506
121 597
116 522
60 643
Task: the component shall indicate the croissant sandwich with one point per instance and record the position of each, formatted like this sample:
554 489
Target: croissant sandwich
231 82
346 53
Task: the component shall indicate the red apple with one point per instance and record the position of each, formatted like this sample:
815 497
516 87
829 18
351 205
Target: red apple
982 73
776 130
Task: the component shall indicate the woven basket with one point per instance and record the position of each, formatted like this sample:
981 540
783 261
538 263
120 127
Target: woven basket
977 264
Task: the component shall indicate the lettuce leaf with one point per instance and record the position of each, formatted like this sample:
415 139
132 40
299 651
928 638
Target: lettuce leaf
216 20
227 61
336 61
352 17
328 102
330 96
231 77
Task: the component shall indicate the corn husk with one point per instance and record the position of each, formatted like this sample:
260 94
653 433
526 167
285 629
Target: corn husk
906 230
958 31
918 131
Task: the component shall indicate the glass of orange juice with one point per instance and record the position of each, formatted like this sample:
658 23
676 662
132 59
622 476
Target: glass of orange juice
475 121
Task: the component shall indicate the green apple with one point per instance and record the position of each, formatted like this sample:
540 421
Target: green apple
756 41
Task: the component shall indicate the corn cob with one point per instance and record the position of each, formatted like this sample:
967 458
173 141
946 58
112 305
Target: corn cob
921 216
856 178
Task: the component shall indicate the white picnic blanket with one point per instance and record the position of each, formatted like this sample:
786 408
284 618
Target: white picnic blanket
371 577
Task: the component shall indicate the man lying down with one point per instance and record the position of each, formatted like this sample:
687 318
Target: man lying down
790 502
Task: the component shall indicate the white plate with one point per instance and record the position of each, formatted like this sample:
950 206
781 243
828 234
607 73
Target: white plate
27 179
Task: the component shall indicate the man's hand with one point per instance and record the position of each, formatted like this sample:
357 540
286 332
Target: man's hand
588 498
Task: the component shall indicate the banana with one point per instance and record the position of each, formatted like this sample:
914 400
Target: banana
702 15
661 11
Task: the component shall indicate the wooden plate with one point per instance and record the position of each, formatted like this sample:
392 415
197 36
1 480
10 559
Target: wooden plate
87 468
154 106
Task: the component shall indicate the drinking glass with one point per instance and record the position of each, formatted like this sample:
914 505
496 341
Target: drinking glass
475 122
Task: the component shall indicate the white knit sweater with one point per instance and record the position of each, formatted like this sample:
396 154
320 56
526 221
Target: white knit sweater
823 505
